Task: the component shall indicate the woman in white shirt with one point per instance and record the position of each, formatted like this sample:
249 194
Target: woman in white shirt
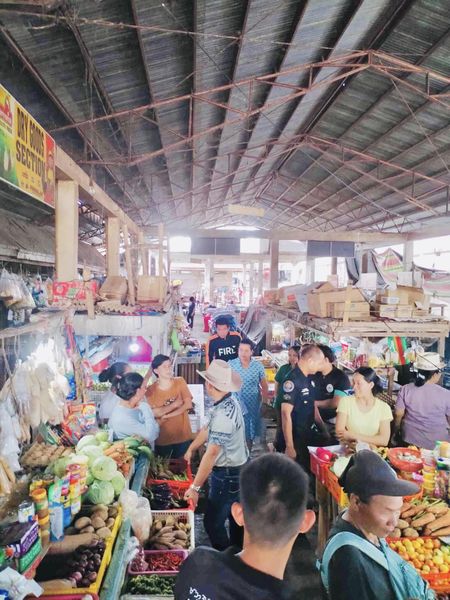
113 374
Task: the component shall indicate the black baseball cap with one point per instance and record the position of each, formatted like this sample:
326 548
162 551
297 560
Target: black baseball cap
367 474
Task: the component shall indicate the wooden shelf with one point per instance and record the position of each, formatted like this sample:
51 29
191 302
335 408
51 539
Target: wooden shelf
43 323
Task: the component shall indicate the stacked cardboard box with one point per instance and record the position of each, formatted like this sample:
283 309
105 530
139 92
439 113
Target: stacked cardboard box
328 301
401 302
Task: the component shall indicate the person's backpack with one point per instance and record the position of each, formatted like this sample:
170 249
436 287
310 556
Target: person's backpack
405 580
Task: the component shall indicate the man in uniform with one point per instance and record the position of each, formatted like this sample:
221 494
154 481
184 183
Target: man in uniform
330 384
297 409
224 344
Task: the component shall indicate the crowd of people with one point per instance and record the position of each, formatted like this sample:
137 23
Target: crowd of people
256 507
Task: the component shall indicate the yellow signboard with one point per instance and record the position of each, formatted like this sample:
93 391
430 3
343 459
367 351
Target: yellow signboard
27 152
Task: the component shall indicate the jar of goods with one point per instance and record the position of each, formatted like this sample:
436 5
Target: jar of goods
26 512
40 499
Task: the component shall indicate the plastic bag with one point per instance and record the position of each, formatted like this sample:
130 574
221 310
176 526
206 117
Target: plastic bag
141 520
26 300
128 500
9 288
18 586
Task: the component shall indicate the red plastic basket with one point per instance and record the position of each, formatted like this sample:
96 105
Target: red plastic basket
177 466
318 467
152 553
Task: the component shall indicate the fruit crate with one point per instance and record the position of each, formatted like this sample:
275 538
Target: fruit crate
318 467
332 485
106 559
185 516
177 466
148 554
439 582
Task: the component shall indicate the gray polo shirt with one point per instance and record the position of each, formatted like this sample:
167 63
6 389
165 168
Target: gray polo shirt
226 429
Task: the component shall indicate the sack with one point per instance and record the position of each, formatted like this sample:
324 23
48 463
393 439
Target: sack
405 580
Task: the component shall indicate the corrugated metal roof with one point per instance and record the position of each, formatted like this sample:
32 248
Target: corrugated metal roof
106 56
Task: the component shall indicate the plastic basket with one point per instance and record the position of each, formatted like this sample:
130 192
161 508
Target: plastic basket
177 491
95 587
318 467
332 485
186 516
149 553
176 465
70 596
439 582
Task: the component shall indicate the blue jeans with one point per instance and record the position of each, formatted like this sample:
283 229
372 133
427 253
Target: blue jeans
173 450
223 492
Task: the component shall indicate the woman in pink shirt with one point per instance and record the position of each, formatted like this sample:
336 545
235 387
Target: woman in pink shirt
422 411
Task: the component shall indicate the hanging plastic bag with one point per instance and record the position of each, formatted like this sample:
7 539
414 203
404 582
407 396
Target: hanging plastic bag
128 500
9 288
26 300
141 520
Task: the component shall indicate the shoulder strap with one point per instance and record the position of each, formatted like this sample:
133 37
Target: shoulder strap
346 538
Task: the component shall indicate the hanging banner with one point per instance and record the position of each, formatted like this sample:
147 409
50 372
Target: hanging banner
27 152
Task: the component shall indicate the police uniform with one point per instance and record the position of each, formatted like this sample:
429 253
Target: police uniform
326 387
298 391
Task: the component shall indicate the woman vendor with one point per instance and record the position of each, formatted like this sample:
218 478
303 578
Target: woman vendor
422 411
363 417
132 415
175 435
112 374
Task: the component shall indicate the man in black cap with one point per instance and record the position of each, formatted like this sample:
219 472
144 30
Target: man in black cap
357 563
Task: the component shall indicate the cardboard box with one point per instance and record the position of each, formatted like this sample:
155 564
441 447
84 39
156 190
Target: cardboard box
357 310
271 296
399 293
391 300
326 294
385 311
404 312
416 297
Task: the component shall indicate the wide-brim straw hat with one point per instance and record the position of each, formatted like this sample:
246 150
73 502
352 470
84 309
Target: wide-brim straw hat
221 376
429 361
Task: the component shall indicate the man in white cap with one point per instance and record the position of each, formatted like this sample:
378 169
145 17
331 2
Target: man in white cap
225 455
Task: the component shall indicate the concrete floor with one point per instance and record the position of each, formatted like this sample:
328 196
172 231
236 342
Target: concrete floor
301 573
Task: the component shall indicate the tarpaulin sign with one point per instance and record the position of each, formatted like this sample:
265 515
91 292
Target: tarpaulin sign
27 152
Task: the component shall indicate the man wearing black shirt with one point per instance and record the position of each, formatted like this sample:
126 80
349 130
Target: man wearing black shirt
297 409
328 383
272 512
224 344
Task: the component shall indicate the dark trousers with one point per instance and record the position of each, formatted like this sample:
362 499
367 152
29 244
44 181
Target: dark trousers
173 450
223 492
280 443
190 320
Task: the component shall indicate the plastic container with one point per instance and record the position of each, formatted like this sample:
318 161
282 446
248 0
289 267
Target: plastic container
395 454
177 466
39 497
332 485
185 516
149 553
318 467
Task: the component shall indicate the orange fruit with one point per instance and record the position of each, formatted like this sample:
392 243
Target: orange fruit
436 543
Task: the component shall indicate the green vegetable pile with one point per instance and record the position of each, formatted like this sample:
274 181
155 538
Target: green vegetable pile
151 584
159 469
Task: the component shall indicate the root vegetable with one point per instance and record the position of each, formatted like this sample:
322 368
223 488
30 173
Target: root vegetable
424 520
440 522
113 511
441 532
402 524
438 509
410 532
110 522
88 529
97 522
82 522
397 533
104 533
414 510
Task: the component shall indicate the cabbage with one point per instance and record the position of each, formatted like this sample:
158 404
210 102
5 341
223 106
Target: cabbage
118 482
104 445
100 492
104 468
92 452
78 459
59 466
87 440
102 436
89 478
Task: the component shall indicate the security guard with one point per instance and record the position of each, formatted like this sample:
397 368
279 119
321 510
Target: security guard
297 409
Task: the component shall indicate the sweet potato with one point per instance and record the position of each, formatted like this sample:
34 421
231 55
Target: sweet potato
414 510
423 520
441 532
402 524
438 509
440 522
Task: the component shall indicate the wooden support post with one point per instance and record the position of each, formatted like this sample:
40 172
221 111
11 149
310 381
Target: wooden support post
161 260
87 276
66 235
260 278
113 246
274 260
143 251
347 304
129 266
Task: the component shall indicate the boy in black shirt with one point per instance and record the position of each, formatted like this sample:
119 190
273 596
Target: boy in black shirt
224 344
272 511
